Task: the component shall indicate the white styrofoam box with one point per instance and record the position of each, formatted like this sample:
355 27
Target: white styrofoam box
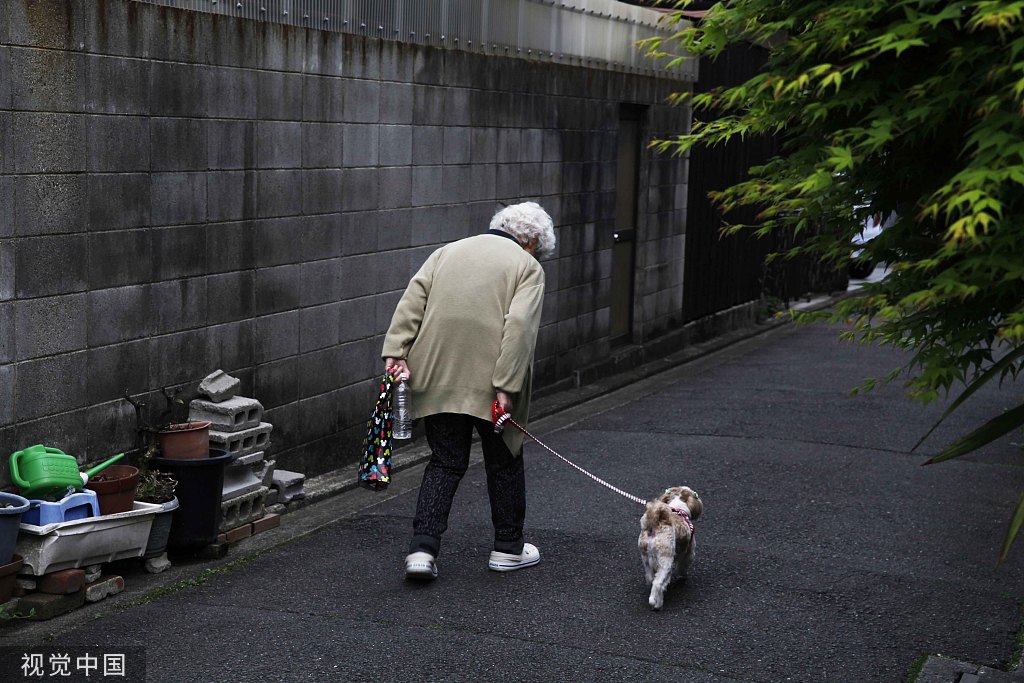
84 542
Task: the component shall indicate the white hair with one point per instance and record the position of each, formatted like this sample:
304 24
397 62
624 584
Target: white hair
527 222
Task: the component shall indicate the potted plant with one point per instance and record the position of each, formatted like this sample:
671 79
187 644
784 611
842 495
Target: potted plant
158 488
179 437
115 488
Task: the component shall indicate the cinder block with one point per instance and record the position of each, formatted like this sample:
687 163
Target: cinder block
270 502
322 191
241 478
268 475
290 485
43 606
360 188
427 145
231 145
179 144
243 509
103 588
231 245
219 386
362 101
322 145
50 325
360 146
428 106
397 102
46 204
457 145
228 415
278 193
279 95
50 385
266 523
121 257
47 80
279 144
119 143
244 442
50 265
236 91
115 85
178 198
230 297
178 89
119 200
395 146
93 572
49 143
427 185
120 314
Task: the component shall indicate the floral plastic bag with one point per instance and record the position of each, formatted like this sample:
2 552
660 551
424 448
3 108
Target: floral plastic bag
375 462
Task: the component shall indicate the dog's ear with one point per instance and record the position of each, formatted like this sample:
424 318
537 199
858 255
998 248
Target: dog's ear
695 504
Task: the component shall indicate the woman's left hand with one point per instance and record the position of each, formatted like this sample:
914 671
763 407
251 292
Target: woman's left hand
401 369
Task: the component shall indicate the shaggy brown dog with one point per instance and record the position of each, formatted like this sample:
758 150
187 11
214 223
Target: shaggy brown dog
667 543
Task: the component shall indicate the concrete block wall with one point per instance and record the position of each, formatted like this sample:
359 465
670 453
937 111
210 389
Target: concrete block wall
181 192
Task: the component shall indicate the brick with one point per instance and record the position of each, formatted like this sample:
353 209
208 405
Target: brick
43 606
238 533
62 583
266 523
103 587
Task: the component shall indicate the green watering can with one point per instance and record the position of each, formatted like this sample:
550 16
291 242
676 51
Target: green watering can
41 472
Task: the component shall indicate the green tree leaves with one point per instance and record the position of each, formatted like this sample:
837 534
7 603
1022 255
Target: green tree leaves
905 107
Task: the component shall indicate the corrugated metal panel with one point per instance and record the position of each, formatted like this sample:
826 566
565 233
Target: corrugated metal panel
594 33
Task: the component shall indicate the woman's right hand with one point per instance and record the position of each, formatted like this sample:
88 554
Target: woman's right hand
401 369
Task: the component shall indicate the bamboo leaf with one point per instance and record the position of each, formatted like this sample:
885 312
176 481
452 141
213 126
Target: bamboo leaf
1011 533
988 432
997 368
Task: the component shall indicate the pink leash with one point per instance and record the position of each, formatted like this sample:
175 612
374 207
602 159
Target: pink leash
500 417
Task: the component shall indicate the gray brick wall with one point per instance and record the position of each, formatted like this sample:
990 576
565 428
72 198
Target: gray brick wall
183 192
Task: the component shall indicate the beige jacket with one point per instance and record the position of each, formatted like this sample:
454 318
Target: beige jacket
467 326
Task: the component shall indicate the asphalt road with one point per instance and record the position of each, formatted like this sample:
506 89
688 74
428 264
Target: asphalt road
826 552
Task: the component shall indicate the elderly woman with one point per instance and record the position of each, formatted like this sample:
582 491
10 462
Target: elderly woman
464 334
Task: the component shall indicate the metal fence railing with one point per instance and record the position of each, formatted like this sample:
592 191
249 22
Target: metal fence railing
594 33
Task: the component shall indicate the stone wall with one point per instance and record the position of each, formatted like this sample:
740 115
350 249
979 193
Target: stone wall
181 192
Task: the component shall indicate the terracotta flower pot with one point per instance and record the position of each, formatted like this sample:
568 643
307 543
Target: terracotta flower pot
185 441
115 488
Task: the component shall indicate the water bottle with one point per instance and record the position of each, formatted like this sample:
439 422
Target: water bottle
403 410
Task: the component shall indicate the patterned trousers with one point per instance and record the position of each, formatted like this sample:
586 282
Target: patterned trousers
450 438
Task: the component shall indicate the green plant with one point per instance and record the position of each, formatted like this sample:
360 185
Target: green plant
154 486
908 108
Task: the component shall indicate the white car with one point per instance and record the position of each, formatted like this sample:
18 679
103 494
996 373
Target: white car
860 267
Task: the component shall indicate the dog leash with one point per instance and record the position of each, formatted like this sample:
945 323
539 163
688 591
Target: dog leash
500 417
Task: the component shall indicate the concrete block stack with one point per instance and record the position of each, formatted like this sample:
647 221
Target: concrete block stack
237 427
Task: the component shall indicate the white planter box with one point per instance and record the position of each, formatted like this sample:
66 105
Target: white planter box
82 542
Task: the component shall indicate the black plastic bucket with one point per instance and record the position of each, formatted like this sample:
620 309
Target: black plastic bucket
199 492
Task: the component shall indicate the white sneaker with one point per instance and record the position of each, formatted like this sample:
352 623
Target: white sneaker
420 566
507 562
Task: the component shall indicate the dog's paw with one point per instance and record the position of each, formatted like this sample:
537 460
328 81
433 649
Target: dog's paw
655 601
